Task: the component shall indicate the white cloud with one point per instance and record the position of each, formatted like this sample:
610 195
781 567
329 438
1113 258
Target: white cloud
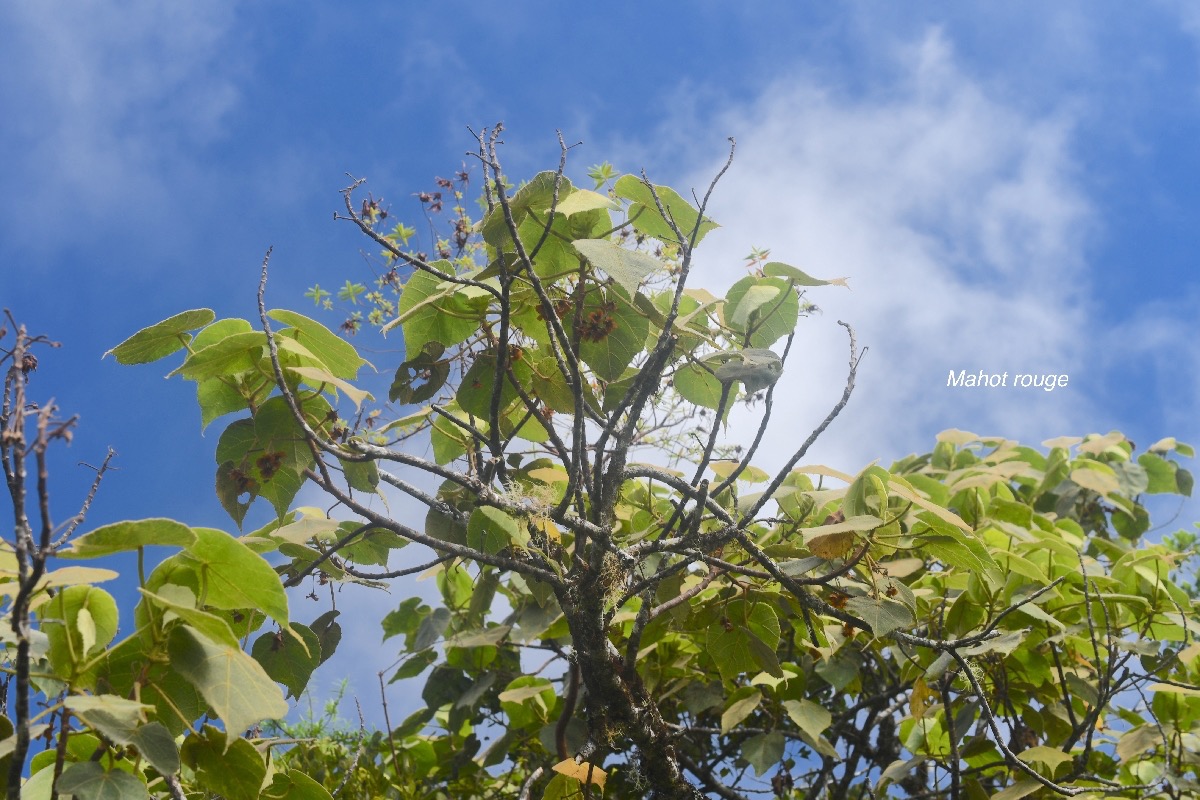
961 224
106 101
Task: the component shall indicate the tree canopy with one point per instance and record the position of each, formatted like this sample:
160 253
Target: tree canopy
629 606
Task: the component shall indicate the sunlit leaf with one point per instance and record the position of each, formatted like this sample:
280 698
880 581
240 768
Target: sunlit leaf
798 277
582 772
647 218
233 683
162 339
338 355
233 354
627 267
317 377
123 536
235 576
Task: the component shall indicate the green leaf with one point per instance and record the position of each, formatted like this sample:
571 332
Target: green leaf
799 278
614 333
87 780
1018 790
69 616
1095 476
235 577
756 368
1050 756
120 720
1138 740
233 683
448 440
338 355
316 378
765 657
741 705
362 476
528 699
431 629
120 537
181 602
697 385
329 633
649 220
294 785
491 530
562 787
810 717
1161 475
954 546
536 195
285 659
108 712
216 398
414 665
236 353
764 308
224 394
231 484
884 616
264 457
737 314
156 744
952 552
475 392
432 311
763 751
232 769
627 267
728 639
867 494
585 200
427 367
162 339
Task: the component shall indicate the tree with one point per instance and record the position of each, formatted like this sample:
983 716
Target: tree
983 620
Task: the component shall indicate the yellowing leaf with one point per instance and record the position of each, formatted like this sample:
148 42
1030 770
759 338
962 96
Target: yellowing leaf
1099 444
549 475
901 488
920 698
582 772
627 267
812 718
740 708
831 545
74 576
1166 687
957 437
1096 476
547 527
317 376
1049 756
585 200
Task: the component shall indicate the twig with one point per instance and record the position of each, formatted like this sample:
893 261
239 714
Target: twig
387 721
855 358
527 787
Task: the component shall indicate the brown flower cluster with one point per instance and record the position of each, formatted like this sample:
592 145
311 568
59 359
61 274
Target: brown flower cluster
598 323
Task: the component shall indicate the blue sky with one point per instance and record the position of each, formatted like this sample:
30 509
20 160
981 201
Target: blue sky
1009 187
